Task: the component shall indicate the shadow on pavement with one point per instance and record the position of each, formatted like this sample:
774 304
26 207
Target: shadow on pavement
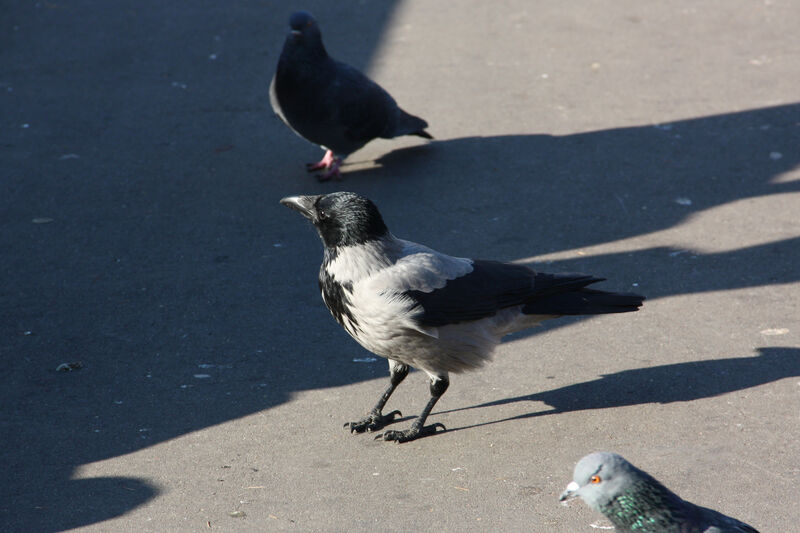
588 188
680 382
141 265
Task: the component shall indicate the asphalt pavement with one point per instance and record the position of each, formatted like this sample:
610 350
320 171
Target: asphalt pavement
205 388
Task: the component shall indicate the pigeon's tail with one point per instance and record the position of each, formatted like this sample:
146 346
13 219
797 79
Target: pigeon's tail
410 125
566 294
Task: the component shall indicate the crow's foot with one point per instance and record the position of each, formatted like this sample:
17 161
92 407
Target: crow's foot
410 434
372 422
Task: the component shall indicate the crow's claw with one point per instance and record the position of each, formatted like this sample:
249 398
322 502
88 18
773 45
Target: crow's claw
373 422
410 434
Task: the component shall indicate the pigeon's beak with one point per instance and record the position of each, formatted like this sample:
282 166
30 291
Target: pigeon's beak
303 205
296 34
568 494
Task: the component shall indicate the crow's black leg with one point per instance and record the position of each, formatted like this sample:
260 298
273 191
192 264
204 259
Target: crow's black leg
375 419
439 384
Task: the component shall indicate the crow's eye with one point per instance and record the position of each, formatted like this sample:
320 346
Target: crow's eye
322 214
595 479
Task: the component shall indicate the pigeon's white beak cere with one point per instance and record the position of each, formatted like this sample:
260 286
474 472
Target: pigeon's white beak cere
572 488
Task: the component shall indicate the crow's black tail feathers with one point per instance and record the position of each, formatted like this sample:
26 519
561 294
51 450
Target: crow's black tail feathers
584 302
566 294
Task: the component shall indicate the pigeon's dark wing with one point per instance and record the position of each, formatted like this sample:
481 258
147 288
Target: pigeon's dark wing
304 101
715 522
488 288
363 108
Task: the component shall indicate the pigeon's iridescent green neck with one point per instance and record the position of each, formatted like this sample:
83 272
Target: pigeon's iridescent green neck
640 509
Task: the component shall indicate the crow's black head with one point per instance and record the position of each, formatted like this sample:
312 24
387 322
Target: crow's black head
341 218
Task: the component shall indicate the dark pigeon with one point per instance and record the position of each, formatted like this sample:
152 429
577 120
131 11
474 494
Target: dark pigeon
635 502
331 103
422 308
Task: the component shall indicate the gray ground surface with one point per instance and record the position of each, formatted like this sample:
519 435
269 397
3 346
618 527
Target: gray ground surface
655 144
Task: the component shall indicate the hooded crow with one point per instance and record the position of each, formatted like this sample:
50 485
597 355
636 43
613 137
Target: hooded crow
419 307
331 103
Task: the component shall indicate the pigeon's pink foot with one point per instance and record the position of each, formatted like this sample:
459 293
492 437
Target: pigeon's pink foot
333 172
330 164
326 162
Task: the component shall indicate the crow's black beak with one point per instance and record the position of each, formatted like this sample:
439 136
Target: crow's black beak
303 205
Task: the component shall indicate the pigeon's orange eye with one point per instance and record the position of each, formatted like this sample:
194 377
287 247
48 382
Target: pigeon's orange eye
595 479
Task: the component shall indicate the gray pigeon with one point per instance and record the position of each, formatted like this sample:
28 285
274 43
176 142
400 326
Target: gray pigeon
635 502
419 307
330 103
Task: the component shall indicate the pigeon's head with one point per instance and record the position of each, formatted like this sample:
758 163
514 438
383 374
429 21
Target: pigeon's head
304 30
341 218
599 478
